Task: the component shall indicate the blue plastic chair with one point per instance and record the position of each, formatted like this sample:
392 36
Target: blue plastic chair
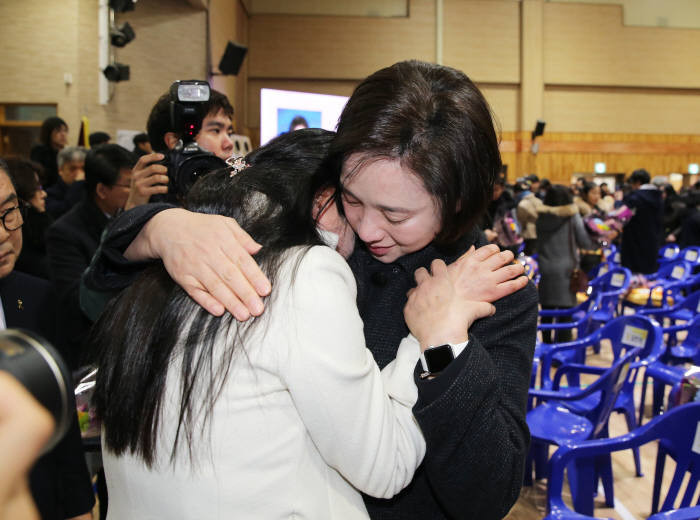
664 374
683 310
691 254
668 253
665 284
612 255
622 334
611 287
676 431
552 423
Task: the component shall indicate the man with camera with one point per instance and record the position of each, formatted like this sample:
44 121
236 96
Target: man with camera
189 112
59 481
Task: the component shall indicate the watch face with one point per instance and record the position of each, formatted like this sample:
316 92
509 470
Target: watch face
437 358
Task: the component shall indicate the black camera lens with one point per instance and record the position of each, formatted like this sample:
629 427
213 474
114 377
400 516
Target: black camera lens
38 366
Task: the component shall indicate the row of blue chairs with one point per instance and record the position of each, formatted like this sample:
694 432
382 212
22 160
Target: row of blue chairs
575 417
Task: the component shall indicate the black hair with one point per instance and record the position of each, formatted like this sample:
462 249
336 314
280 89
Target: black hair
640 176
98 138
23 173
103 164
587 187
159 122
140 138
436 122
154 321
558 195
298 120
48 126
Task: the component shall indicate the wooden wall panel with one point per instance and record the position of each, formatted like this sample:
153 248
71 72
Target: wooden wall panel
482 38
348 48
563 154
587 44
623 110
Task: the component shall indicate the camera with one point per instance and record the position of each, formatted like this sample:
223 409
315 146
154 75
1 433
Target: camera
187 161
40 369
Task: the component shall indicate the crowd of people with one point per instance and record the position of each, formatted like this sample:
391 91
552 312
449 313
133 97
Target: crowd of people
565 228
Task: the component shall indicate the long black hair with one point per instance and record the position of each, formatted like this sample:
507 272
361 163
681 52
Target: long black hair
154 321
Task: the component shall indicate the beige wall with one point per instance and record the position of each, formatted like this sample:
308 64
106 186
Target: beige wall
49 39
575 64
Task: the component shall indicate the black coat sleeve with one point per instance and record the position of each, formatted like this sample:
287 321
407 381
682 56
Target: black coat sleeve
473 414
109 270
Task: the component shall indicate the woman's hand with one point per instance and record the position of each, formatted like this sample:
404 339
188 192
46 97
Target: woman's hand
209 256
437 312
487 274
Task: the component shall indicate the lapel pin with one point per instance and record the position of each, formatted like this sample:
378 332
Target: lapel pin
20 305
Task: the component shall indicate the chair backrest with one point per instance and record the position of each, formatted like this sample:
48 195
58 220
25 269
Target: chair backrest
611 286
633 331
691 254
679 433
668 253
690 302
610 384
673 271
692 339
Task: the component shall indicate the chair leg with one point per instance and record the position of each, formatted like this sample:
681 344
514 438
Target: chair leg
604 469
631 426
658 475
540 452
658 398
642 401
583 483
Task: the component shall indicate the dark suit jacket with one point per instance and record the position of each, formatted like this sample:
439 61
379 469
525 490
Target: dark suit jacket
71 243
59 481
61 197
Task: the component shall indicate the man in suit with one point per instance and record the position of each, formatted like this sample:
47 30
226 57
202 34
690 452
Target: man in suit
73 239
59 481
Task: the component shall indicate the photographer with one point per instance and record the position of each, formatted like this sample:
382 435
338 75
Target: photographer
214 135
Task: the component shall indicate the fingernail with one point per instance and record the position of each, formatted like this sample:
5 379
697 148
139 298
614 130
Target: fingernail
263 288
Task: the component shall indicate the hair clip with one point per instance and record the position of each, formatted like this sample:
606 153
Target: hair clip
237 165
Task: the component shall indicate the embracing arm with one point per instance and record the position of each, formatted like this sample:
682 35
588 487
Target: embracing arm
473 414
209 256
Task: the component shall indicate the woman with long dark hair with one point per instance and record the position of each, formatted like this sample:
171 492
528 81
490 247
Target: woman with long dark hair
283 415
53 138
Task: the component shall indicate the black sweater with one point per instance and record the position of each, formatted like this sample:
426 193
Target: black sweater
472 414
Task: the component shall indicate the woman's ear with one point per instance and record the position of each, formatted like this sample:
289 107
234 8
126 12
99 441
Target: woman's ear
321 202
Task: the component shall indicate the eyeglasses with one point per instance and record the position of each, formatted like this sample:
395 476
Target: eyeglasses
12 218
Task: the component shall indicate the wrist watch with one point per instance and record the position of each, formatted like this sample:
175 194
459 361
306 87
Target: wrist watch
436 358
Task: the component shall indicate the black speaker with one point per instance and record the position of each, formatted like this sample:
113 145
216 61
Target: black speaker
232 59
